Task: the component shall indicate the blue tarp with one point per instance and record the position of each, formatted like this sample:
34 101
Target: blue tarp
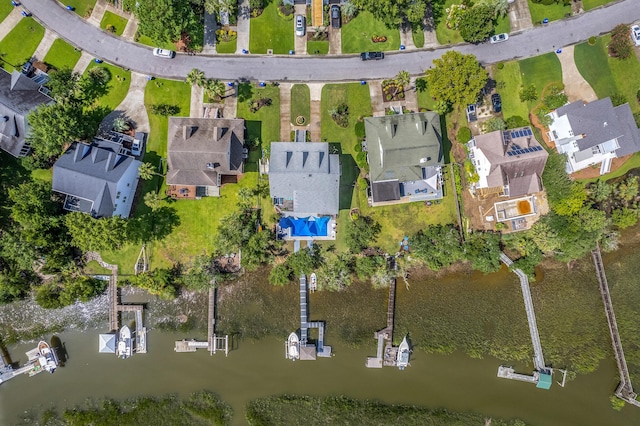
306 226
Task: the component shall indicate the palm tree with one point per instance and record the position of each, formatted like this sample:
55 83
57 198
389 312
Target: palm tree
196 78
402 80
120 124
152 200
147 171
214 88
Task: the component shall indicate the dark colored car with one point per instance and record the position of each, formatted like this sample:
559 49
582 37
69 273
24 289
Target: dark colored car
369 56
336 19
496 102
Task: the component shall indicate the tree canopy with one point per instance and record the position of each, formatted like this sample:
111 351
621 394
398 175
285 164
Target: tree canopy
456 78
165 20
393 12
476 24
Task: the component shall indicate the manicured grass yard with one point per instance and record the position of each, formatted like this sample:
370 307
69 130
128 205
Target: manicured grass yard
20 43
553 11
541 71
444 34
62 55
227 46
270 31
5 9
511 79
425 100
356 35
418 36
265 123
609 75
300 103
317 47
117 21
590 4
143 39
81 7
503 25
118 86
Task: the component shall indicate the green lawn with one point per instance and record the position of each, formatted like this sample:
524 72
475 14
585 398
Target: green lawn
81 7
270 31
5 9
117 21
143 39
300 103
503 25
553 12
356 35
418 36
541 71
265 123
118 86
608 75
510 84
227 46
20 43
444 34
592 62
317 47
590 4
62 55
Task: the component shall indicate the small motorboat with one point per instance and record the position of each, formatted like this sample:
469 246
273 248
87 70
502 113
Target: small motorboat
313 282
402 359
47 359
293 347
124 343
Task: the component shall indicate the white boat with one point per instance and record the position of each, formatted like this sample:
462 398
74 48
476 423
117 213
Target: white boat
402 359
293 347
48 359
124 343
313 282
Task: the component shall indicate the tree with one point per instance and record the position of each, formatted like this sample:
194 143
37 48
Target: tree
495 123
620 44
367 266
196 77
152 200
483 250
349 10
54 126
160 282
393 12
147 171
361 233
624 218
214 88
628 189
600 191
120 124
421 85
220 6
63 84
91 234
280 274
529 93
402 80
256 4
304 261
438 246
476 24
165 20
335 273
555 99
258 250
456 78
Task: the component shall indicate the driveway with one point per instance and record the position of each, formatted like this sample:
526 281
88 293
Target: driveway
132 106
575 86
300 46
303 68
244 26
335 41
520 16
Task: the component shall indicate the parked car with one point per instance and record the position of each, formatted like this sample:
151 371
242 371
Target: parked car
499 38
635 35
300 25
496 102
368 56
164 53
336 19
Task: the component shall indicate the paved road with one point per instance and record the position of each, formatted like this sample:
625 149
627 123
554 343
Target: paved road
138 58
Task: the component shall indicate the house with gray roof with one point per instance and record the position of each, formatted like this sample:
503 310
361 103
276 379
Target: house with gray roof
304 184
405 157
20 94
98 178
509 166
593 133
204 154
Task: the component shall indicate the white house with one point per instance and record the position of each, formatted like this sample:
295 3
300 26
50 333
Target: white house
594 132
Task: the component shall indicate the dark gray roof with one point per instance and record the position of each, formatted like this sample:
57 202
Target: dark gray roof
306 173
92 172
200 149
385 191
599 122
520 170
18 96
399 146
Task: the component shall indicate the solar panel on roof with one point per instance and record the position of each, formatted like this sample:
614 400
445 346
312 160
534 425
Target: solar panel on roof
529 133
510 154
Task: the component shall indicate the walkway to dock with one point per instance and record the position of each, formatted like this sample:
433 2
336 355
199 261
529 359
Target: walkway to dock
624 390
386 353
303 310
538 359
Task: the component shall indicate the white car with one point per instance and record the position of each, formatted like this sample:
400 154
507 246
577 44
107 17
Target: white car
300 25
635 35
163 53
498 38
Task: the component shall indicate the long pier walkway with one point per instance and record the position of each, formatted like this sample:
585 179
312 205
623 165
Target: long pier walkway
538 358
304 325
624 390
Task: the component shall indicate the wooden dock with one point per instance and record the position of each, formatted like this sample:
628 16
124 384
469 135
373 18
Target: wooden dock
386 353
141 331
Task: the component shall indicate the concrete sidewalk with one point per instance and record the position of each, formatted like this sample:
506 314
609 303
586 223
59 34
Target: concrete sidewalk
196 107
98 13
10 21
375 93
520 16
315 92
131 29
244 26
406 37
45 44
429 25
285 111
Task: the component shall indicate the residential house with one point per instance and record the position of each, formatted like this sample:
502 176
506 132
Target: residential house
304 184
594 132
509 166
405 157
20 93
204 154
98 178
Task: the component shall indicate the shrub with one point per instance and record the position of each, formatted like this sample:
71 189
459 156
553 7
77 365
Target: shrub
454 15
555 99
529 93
165 109
516 121
500 65
620 45
359 130
618 99
111 28
592 40
464 135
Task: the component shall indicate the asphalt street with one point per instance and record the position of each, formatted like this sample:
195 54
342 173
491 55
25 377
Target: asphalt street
139 58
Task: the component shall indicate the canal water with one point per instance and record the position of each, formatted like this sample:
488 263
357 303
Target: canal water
258 368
